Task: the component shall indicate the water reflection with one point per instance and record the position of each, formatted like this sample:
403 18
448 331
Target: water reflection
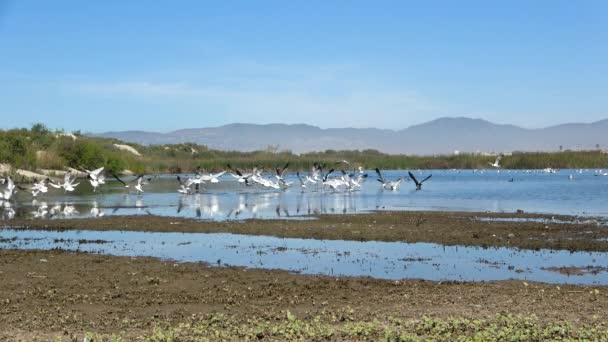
462 190
388 260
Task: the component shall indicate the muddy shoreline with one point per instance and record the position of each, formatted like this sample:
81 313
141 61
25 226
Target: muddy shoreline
447 228
54 293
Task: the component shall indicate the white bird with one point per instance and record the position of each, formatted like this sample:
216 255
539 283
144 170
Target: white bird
9 190
315 173
357 181
496 163
241 177
140 182
96 178
333 183
185 185
212 177
183 189
389 185
280 173
68 183
40 187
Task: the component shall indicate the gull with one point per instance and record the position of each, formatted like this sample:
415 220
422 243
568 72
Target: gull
212 177
38 187
183 187
315 173
357 180
280 173
418 184
140 180
496 162
351 181
241 177
96 182
9 190
265 182
68 183
197 180
389 185
96 178
333 183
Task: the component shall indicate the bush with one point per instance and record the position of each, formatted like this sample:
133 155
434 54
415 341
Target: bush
81 153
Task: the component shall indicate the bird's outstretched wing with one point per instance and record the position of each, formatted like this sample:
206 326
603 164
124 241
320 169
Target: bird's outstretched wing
427 178
413 177
380 178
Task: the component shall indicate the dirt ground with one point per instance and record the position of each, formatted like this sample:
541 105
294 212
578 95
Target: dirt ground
448 228
55 293
46 294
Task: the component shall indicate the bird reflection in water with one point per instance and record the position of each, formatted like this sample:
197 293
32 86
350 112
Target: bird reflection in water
8 213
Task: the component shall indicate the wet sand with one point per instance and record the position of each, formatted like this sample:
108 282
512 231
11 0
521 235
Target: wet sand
55 293
447 228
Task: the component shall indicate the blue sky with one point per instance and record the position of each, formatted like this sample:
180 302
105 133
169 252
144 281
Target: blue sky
165 65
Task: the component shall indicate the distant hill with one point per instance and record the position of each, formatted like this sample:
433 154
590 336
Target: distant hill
443 135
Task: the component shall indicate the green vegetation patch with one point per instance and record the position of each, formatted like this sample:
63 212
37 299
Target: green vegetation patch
39 148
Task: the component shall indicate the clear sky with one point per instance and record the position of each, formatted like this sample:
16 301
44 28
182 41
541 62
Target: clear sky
164 65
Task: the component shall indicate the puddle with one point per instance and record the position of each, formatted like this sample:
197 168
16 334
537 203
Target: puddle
577 271
385 260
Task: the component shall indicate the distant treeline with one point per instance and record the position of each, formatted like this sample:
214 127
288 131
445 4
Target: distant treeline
40 148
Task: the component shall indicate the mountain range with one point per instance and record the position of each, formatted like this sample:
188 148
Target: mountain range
440 136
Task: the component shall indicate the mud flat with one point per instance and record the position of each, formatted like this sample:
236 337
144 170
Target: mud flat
528 231
46 294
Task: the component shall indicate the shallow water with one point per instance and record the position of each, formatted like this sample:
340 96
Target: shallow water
385 260
461 190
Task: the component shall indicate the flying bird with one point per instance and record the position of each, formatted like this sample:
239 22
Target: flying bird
496 163
389 185
418 184
68 184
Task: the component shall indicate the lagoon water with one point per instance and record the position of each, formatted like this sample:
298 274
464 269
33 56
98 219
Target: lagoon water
465 190
453 190
384 260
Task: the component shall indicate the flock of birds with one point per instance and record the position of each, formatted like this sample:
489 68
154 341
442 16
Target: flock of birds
277 179
320 177
95 177
344 181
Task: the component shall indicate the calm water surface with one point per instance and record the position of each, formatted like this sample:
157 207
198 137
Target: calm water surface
466 190
385 260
